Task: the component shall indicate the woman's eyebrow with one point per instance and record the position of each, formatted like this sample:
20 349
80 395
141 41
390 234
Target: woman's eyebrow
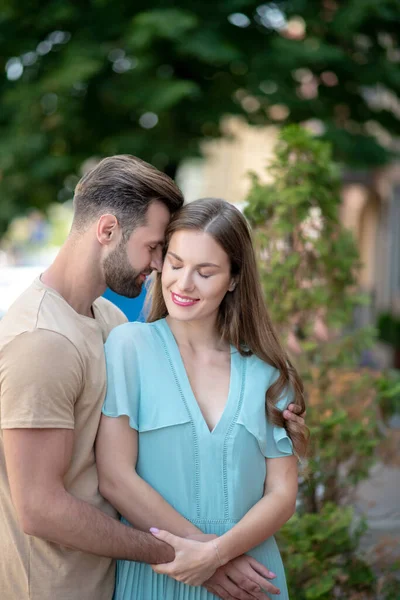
206 264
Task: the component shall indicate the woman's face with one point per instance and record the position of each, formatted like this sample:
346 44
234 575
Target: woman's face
196 275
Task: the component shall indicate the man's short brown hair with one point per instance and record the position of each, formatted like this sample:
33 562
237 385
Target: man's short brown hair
124 186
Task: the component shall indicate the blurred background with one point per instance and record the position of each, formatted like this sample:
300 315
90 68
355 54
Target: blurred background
204 91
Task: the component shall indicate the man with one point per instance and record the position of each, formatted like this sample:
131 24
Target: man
59 537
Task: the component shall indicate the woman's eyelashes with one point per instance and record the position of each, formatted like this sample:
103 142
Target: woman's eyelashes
203 275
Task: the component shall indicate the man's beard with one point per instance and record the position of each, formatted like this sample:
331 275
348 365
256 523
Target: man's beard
120 277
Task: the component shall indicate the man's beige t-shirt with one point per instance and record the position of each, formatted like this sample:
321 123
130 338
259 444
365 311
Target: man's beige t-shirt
52 374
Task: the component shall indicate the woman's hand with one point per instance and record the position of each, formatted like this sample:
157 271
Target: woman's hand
201 537
195 562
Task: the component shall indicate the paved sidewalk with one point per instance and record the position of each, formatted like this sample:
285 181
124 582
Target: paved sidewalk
378 498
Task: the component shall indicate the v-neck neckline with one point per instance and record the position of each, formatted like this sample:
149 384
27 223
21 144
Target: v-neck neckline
187 389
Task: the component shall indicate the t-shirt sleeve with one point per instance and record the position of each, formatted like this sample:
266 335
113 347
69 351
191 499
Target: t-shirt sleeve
123 384
41 378
278 441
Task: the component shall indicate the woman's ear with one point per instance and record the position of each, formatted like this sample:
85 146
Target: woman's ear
232 285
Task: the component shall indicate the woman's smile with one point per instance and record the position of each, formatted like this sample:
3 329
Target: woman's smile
183 300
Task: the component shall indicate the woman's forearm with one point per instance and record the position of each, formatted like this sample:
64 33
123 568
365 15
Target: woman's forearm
261 522
144 507
269 514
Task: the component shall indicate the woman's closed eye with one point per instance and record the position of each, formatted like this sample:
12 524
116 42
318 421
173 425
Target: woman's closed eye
203 275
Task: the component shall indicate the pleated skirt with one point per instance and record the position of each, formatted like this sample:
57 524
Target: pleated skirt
137 581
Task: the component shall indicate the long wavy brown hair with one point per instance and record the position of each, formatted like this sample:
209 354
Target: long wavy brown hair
243 320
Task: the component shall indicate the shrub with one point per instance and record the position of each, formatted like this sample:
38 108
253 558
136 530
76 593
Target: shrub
309 265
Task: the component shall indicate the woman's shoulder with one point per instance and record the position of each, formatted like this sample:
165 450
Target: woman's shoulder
261 376
132 335
261 370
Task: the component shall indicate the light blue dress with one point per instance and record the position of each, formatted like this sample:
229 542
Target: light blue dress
211 478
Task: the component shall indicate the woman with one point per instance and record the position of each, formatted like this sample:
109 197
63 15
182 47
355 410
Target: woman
192 438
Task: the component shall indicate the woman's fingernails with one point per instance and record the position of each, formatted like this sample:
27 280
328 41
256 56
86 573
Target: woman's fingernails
154 530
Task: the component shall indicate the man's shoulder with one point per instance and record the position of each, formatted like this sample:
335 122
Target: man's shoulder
43 316
44 345
110 313
22 315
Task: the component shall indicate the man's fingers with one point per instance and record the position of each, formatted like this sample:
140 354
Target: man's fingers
248 585
236 592
261 569
293 418
230 589
255 584
264 585
293 408
219 591
263 582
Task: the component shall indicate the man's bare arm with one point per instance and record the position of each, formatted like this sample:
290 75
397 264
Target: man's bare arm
37 461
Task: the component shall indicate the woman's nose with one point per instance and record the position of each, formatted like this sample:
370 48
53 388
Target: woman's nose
185 282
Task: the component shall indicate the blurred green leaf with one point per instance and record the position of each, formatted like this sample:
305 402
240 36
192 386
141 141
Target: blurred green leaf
85 73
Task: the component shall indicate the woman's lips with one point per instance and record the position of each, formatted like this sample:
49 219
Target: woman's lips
183 300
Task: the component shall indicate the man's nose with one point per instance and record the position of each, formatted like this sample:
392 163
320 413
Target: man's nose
156 262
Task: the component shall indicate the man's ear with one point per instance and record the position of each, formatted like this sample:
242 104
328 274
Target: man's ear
108 229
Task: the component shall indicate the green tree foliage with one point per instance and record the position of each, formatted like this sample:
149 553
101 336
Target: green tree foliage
99 77
308 266
321 556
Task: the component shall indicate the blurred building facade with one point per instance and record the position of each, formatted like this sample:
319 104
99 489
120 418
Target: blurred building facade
370 207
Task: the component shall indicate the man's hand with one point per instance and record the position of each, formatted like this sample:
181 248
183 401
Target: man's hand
242 579
292 413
